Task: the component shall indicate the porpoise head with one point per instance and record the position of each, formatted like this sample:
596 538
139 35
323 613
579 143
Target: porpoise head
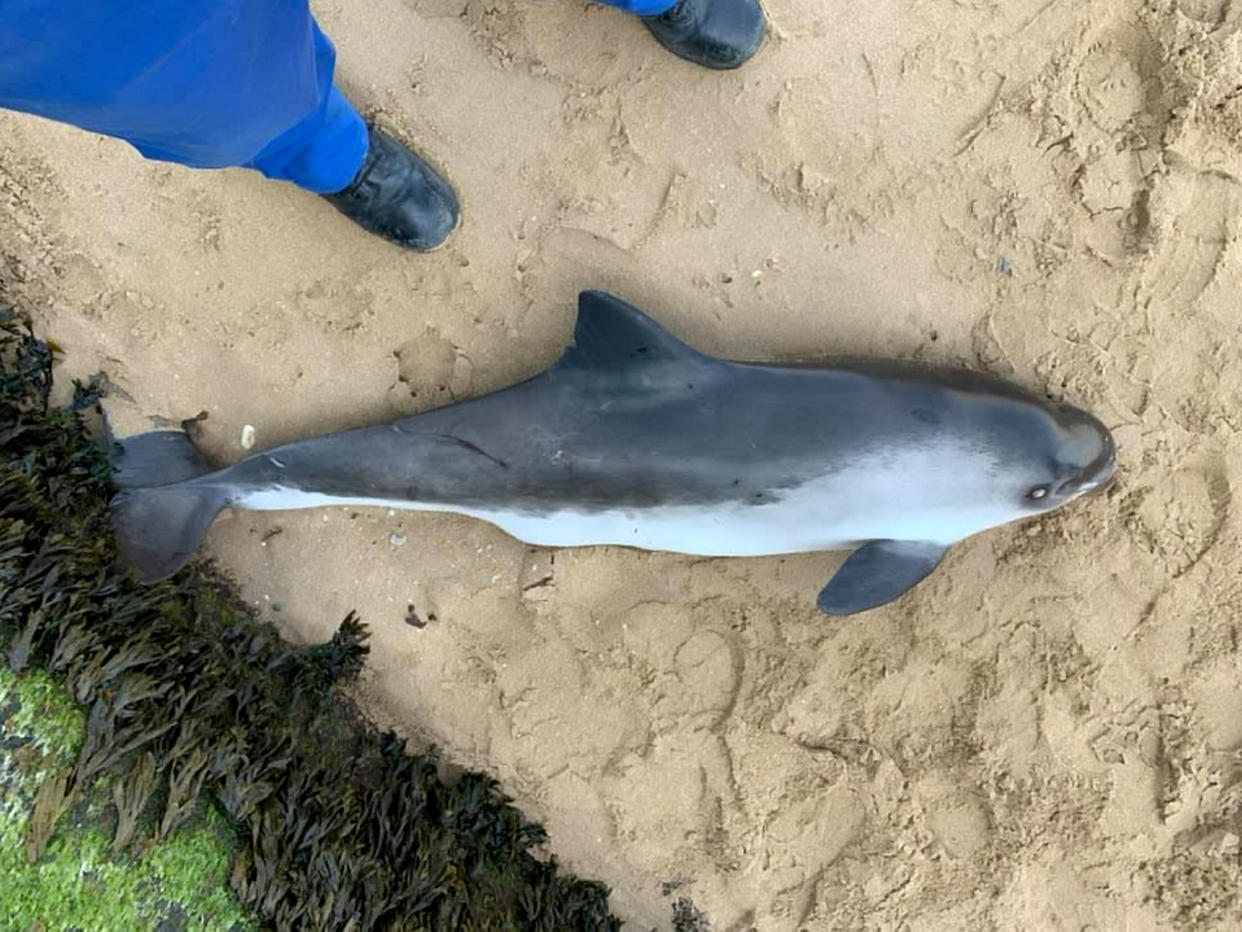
1078 454
976 452
1009 456
1017 454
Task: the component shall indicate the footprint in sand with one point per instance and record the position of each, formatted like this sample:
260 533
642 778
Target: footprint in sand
1183 516
1212 12
432 369
1201 207
707 667
955 813
694 674
1119 83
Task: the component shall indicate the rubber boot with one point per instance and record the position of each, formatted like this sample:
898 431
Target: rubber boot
720 34
398 196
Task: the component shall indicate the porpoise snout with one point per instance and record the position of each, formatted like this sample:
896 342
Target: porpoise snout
1089 443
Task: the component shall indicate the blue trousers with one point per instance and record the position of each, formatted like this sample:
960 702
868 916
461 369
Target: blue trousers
203 83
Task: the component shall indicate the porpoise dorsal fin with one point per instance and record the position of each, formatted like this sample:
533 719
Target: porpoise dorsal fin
613 336
878 572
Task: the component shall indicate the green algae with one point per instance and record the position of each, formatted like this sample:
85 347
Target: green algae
80 881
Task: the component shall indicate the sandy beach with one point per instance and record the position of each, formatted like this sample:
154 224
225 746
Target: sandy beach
1047 734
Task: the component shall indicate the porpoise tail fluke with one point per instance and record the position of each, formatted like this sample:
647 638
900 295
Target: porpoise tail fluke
161 512
158 530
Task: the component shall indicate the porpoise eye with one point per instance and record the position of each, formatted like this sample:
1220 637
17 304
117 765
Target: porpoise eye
1037 493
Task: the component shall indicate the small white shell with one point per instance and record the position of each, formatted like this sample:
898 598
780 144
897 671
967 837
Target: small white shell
247 437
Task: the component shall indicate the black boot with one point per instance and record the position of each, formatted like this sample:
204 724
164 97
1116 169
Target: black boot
398 196
714 33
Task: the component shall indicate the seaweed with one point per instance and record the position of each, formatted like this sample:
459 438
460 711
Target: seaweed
189 697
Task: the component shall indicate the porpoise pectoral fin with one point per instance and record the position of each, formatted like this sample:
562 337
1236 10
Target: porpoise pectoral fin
612 335
878 572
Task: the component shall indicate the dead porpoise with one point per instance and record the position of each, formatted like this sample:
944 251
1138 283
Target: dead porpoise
635 439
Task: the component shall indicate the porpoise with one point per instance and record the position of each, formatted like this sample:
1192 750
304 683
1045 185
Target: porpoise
635 439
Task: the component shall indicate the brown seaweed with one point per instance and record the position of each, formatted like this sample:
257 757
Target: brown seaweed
189 697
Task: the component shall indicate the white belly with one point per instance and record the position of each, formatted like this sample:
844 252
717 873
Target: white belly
827 514
722 531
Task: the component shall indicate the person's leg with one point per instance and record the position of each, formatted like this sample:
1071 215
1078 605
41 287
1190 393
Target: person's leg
324 151
642 7
714 33
211 84
207 84
366 175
